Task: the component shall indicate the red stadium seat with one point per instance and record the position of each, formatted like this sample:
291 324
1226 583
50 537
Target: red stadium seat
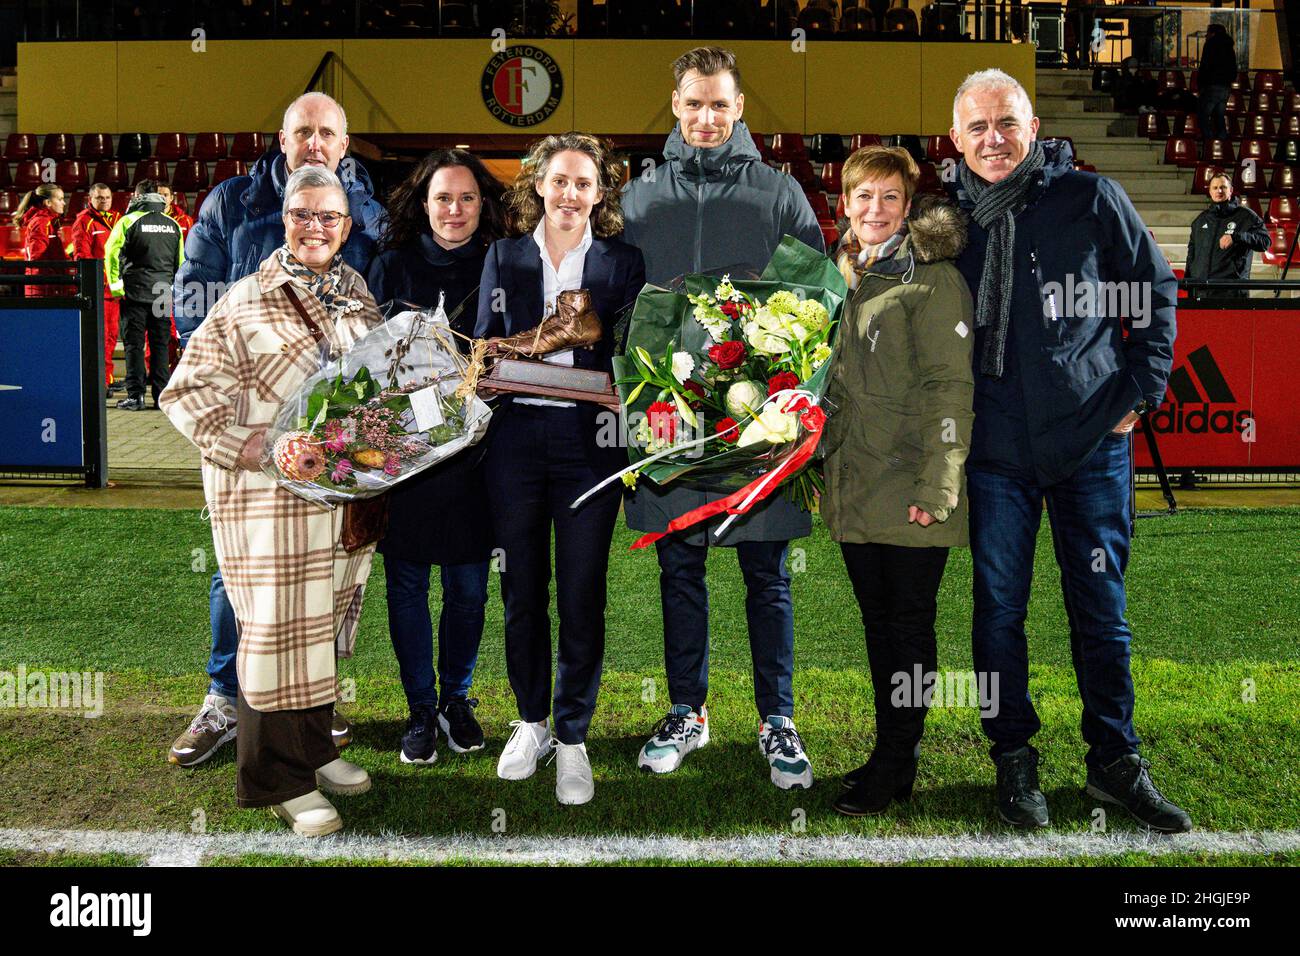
228 169
1186 124
72 174
1258 126
1290 101
1284 180
788 146
1252 177
939 148
133 147
1256 149
1201 178
59 146
191 175
827 148
860 140
1252 203
820 207
154 169
209 146
21 146
1181 151
6 180
11 242
1288 151
27 175
1268 81
198 201
1283 237
171 147
803 173
1153 126
1288 126
8 202
248 146
1219 152
929 182
1283 209
121 201
76 203
1242 83
96 146
830 235
1235 104
112 173
831 177
839 208
1263 103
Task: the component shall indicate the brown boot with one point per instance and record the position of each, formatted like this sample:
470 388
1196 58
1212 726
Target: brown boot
574 324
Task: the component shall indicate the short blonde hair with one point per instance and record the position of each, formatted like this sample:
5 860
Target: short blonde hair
878 163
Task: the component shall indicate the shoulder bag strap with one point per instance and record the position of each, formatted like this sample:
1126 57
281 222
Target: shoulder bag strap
312 327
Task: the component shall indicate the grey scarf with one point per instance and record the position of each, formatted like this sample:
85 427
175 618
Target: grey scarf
996 206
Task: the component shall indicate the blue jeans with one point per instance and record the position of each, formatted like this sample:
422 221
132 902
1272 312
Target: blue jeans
225 642
1089 514
460 627
769 612
1212 109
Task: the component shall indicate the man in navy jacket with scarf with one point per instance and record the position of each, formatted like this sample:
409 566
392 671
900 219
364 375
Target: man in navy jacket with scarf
1061 266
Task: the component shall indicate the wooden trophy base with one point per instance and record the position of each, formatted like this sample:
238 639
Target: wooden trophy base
543 380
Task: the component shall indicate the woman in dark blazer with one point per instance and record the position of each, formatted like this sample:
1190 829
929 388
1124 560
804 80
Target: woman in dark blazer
442 219
543 454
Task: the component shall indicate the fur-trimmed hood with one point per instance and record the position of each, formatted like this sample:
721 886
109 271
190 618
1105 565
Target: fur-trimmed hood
936 228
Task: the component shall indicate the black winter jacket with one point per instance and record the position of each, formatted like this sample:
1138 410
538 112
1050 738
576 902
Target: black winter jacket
1205 260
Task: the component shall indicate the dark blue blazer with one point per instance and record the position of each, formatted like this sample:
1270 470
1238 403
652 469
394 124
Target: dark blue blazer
613 272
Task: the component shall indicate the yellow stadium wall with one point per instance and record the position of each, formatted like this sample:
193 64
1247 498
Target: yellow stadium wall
432 86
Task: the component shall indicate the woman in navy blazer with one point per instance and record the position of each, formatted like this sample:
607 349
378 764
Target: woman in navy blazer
542 455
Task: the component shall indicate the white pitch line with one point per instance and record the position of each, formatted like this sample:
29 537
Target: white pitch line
168 848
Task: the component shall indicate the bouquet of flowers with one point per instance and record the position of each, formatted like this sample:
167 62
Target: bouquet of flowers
722 385
400 400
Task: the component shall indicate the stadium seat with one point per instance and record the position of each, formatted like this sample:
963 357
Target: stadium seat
817 22
1201 177
11 242
827 148
860 140
1259 126
133 147
248 146
1252 203
858 21
59 146
839 208
901 21
8 202
803 173
930 182
1219 152
1186 124
191 175
831 177
1288 126
1256 149
96 146
1181 151
1283 238
1268 81
209 146
1241 84
1235 104
170 147
1153 126
1104 79
939 148
1264 104
76 203
72 174
228 169
120 201
788 146
151 168
820 207
112 173
1290 101
27 175
21 146
198 201
830 235
1284 180
1252 178
1288 151
1171 80
6 178
1283 209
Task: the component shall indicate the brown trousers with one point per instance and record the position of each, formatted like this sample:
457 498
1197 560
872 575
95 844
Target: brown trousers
279 751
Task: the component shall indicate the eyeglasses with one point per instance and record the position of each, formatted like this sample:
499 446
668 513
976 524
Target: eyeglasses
327 218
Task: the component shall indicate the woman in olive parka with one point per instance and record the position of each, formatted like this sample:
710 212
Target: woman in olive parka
895 497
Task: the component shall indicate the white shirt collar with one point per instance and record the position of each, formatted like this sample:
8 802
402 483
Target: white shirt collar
539 237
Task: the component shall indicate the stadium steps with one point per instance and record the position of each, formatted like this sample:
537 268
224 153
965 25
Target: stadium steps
8 104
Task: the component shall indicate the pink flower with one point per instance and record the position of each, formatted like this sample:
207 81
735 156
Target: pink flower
341 471
392 465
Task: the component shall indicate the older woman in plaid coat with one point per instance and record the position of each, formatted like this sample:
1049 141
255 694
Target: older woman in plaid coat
295 591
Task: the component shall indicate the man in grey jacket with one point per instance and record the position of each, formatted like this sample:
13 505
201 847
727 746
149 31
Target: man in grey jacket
714 206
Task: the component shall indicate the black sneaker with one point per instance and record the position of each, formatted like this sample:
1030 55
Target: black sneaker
456 718
1020 802
130 405
419 743
1127 783
116 387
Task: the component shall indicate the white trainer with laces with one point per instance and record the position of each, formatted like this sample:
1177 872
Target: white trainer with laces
679 732
783 748
573 783
527 745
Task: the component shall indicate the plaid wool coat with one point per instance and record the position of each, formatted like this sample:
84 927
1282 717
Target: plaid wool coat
295 592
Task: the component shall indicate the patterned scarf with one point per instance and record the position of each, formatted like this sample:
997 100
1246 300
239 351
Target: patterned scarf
854 259
326 286
996 206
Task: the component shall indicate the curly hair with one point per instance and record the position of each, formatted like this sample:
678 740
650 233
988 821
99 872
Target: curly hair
526 207
407 217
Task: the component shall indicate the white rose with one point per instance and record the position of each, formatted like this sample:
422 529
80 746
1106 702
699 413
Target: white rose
683 366
772 426
744 393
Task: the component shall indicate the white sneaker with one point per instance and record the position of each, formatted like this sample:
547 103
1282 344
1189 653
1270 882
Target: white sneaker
528 744
339 776
573 783
677 734
310 815
781 745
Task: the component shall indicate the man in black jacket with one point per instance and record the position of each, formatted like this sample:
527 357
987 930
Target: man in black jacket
1058 387
1224 239
143 252
1214 80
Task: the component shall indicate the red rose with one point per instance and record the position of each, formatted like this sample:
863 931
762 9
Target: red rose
730 309
695 388
723 425
727 355
663 421
781 381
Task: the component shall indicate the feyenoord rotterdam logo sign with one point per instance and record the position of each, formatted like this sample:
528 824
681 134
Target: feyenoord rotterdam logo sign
522 85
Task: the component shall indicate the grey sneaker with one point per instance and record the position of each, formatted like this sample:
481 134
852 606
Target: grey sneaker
1020 802
1127 783
214 725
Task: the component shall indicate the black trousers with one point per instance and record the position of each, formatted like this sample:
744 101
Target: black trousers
536 465
896 589
277 752
136 321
